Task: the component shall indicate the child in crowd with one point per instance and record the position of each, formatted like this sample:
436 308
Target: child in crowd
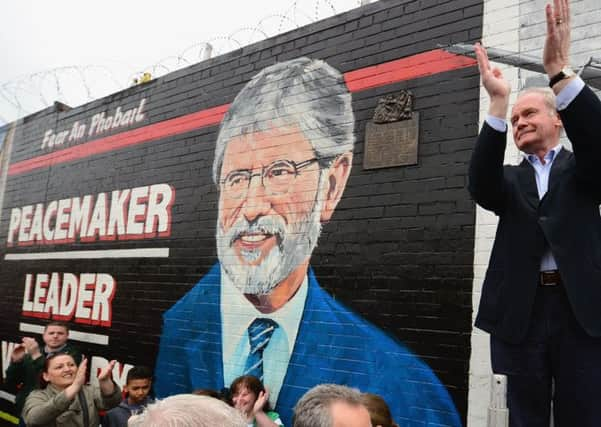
251 398
137 389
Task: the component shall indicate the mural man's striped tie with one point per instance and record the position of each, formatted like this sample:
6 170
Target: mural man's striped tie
259 334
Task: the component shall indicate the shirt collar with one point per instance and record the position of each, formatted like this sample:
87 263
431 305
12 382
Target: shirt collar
241 312
549 157
51 352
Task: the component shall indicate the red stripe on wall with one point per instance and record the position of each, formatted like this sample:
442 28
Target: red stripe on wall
412 67
420 65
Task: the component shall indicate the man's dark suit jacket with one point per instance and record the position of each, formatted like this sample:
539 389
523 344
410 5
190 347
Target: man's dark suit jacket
566 219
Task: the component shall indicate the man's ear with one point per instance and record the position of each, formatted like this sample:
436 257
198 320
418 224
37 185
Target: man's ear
558 122
337 176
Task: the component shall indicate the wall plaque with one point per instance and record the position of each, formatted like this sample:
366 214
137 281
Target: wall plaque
391 138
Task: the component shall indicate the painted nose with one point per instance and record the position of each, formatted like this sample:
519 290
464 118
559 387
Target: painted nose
256 203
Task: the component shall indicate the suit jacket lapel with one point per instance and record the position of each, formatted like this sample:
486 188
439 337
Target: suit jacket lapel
528 183
206 350
298 376
559 165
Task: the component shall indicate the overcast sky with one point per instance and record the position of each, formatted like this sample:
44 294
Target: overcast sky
71 50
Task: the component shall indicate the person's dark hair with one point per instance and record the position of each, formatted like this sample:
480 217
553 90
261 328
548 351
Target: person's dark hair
139 372
42 381
379 412
57 323
253 384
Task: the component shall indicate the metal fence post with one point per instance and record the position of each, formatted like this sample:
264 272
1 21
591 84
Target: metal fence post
498 414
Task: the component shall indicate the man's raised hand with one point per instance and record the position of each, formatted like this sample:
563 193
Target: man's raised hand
496 86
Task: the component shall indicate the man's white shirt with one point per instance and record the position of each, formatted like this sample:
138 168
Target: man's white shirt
237 313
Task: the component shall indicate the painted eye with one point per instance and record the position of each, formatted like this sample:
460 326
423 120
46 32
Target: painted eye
280 170
236 179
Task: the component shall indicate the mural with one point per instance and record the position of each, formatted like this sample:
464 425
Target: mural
170 223
282 160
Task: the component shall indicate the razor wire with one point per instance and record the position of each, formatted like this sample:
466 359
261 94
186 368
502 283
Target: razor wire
77 84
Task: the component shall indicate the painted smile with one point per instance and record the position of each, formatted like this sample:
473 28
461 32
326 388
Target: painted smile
254 238
248 242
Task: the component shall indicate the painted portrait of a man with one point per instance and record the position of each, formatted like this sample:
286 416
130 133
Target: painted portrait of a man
282 160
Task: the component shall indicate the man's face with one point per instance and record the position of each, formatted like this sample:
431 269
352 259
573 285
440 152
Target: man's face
346 415
137 390
535 126
269 207
55 337
244 399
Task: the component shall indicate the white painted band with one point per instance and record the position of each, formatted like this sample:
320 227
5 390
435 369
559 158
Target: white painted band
92 254
7 396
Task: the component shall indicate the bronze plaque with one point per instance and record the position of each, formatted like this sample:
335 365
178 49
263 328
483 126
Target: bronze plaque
391 144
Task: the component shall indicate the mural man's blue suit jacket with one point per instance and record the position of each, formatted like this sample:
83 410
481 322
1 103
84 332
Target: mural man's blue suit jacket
333 345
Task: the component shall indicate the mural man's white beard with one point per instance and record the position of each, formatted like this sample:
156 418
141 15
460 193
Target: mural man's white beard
295 243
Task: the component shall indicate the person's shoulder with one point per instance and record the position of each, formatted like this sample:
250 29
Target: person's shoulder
41 394
118 410
205 290
275 417
332 314
74 351
121 406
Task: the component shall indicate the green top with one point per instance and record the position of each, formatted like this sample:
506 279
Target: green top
273 416
23 377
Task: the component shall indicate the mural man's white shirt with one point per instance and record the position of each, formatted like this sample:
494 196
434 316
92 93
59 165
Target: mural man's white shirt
237 313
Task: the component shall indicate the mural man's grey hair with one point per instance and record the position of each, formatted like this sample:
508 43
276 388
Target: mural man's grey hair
188 410
313 409
302 92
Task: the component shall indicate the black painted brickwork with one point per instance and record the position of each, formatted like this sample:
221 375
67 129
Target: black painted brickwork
399 249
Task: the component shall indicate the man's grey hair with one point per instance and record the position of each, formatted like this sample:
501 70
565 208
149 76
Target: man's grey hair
547 94
313 409
188 410
302 92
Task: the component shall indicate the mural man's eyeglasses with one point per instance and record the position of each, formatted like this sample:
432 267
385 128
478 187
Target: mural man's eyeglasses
276 178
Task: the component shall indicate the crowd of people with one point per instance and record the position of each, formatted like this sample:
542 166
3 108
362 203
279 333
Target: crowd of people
52 391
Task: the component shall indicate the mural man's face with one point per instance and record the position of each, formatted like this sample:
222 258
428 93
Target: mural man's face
269 207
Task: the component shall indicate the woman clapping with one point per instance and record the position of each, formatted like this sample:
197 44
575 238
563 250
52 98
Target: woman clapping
64 400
